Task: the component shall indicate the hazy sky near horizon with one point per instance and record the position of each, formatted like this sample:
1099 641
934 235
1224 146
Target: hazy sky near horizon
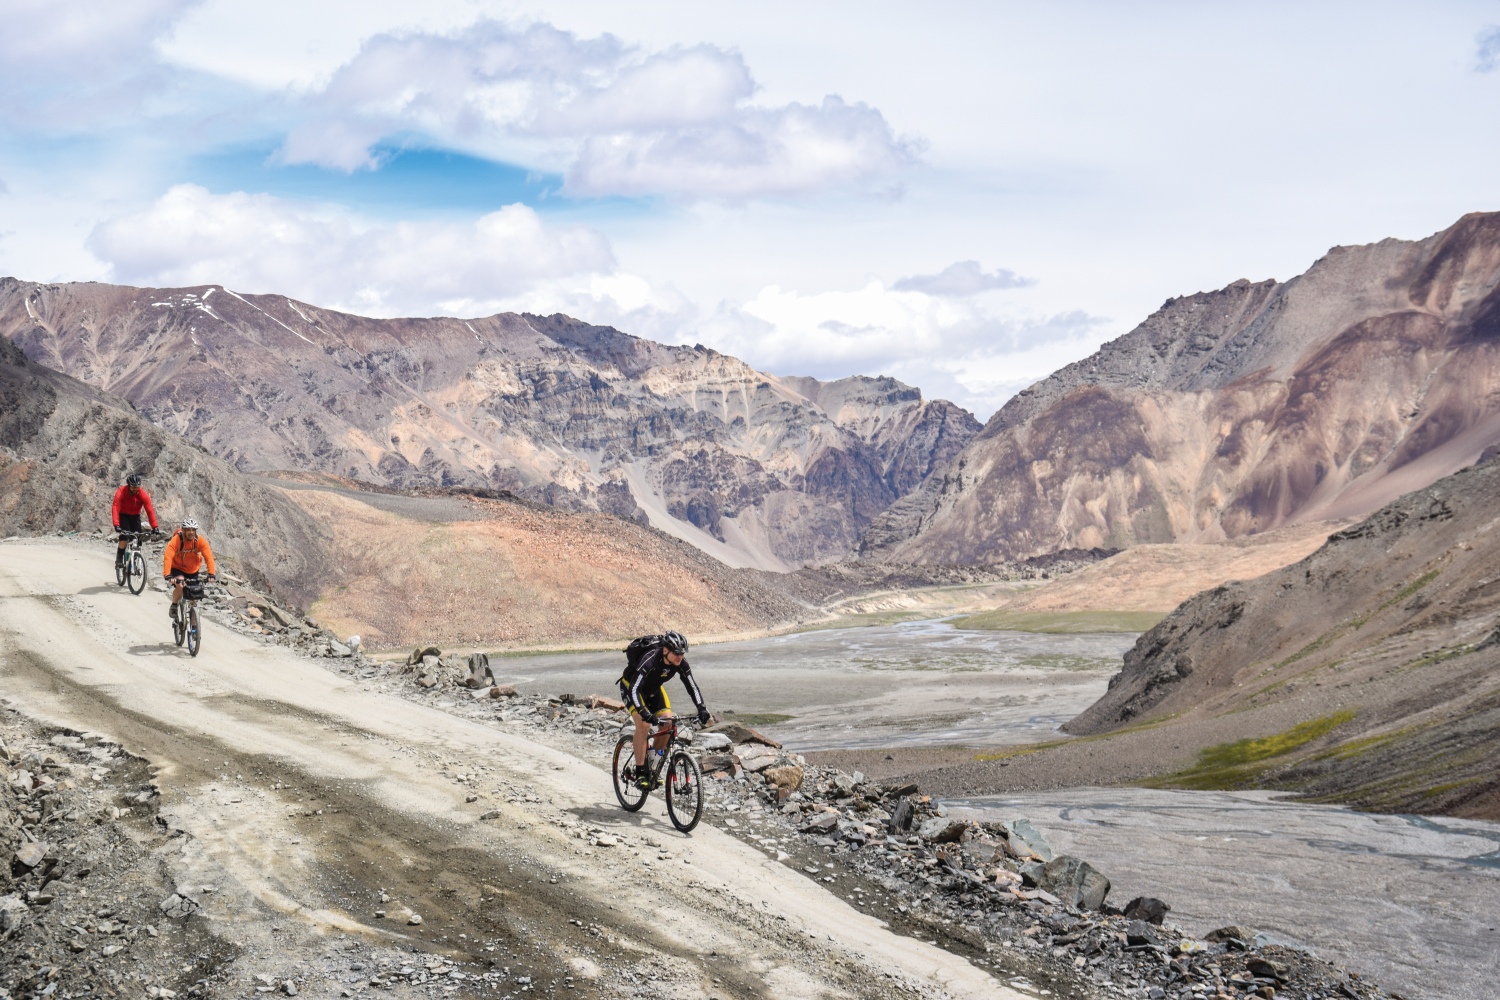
964 195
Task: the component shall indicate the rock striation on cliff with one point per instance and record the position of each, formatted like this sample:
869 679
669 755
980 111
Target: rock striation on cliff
756 470
65 447
1368 673
1232 412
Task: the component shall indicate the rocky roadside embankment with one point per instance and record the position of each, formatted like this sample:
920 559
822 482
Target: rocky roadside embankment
995 893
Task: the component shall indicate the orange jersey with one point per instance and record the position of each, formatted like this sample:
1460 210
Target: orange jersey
179 557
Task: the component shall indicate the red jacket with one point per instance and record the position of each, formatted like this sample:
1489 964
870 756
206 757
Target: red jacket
127 504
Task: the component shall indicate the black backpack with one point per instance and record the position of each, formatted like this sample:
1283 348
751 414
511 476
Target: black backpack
636 651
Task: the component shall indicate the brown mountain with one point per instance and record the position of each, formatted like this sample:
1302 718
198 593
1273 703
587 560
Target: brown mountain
1369 672
756 470
1232 412
66 446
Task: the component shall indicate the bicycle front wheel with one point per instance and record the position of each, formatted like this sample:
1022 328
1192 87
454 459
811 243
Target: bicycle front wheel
684 792
179 630
194 636
135 573
631 795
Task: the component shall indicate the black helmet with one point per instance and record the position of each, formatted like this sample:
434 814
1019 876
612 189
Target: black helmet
674 642
134 479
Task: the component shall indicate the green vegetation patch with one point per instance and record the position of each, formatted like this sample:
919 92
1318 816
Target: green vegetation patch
1237 764
1019 751
1060 622
757 718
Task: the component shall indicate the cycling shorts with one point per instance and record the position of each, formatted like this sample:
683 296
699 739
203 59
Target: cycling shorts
656 702
130 522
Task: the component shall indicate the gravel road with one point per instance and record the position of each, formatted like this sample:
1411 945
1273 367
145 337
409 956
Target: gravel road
319 812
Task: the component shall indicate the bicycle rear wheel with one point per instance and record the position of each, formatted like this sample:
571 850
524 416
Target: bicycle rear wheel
684 792
631 795
194 636
135 573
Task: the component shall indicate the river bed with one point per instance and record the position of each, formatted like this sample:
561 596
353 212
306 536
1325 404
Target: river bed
1412 902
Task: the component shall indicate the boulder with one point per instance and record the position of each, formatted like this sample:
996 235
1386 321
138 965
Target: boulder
503 691
742 734
787 777
1138 933
599 701
1024 840
1075 882
821 822
480 674
338 649
755 757
942 830
13 912
29 855
1234 932
712 741
1147 908
902 816
1264 968
420 652
717 763
1031 873
177 906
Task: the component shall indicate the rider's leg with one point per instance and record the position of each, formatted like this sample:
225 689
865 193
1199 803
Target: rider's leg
176 596
642 729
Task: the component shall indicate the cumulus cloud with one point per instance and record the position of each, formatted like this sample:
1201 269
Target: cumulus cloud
83 62
1487 52
962 279
256 242
948 347
613 119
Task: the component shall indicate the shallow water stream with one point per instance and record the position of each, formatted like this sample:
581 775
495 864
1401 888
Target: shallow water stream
1412 902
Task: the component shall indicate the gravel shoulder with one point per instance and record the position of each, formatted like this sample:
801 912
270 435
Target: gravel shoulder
326 817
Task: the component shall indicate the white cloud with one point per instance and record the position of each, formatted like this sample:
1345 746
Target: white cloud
65 65
612 118
256 242
1487 53
949 348
962 279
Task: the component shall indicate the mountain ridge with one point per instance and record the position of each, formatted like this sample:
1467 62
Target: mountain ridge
1234 411
749 467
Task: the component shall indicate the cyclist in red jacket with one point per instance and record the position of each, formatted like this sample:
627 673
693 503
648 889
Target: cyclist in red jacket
125 512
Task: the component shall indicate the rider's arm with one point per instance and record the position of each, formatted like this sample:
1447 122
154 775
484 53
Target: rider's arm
114 508
150 510
168 554
208 555
686 673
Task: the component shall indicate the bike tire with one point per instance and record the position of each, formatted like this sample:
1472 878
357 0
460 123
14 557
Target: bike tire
135 573
179 633
122 569
684 791
631 795
194 633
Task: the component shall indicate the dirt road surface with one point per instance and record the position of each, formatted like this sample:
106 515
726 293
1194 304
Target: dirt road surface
309 805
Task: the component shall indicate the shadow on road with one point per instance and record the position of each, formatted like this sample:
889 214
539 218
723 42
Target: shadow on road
156 649
103 588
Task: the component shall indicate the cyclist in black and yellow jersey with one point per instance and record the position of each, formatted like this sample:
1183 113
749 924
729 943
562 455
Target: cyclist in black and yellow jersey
650 662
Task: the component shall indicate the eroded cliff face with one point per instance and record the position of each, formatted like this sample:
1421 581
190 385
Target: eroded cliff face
1237 411
1383 646
756 470
65 447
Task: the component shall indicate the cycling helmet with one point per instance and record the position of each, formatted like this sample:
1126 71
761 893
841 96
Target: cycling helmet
190 523
134 479
674 642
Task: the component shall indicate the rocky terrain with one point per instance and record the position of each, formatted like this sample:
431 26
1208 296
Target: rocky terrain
995 892
1367 674
1238 411
756 470
65 447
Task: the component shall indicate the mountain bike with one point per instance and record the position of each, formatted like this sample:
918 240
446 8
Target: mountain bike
185 626
131 570
671 768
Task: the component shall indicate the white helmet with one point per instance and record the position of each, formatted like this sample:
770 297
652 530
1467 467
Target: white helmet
190 523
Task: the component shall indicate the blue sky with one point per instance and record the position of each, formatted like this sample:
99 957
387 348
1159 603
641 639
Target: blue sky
964 195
